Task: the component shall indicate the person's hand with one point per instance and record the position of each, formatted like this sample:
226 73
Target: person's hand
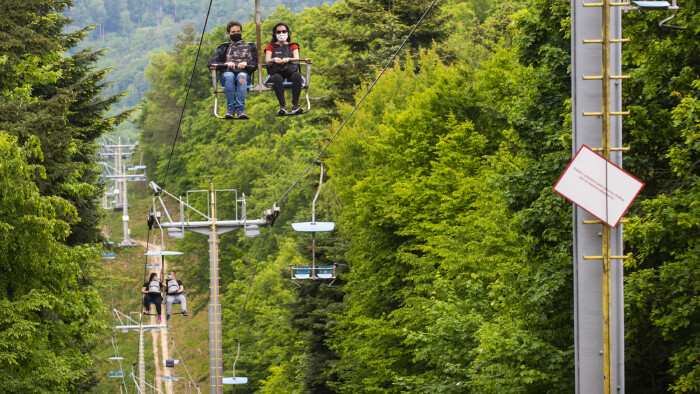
278 60
242 64
231 64
212 68
285 60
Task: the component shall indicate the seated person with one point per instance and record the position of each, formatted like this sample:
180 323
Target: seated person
238 61
277 55
151 292
175 292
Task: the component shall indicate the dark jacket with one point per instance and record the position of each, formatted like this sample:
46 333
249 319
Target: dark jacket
248 54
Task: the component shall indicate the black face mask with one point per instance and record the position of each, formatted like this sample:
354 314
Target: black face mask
236 37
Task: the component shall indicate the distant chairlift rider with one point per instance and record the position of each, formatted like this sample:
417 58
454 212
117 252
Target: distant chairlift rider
175 293
152 293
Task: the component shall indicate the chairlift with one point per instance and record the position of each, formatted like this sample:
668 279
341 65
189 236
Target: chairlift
662 5
108 256
234 379
313 272
170 363
162 253
264 86
116 358
116 374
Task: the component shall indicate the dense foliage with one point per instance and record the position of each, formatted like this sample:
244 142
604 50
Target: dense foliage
456 267
51 113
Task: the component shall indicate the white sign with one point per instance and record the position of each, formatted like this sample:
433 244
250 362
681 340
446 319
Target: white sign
598 186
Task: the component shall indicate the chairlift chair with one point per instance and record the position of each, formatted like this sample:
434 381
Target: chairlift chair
234 379
662 5
314 272
263 86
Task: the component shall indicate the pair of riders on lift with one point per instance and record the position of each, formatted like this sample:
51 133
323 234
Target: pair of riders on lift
175 293
239 60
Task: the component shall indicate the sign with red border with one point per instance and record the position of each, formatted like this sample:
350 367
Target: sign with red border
598 186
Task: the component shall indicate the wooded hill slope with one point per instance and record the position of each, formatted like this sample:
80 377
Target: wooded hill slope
454 252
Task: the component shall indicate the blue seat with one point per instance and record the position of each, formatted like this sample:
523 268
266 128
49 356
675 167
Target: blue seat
325 272
301 272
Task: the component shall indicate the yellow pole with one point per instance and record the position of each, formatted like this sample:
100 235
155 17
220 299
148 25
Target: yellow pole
215 335
606 229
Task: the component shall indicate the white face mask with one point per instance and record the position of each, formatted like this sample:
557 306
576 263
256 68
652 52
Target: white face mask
170 276
282 37
155 278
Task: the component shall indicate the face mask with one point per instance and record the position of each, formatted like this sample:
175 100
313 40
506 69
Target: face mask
236 37
282 37
155 278
170 276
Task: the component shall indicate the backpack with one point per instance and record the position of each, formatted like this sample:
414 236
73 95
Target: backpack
173 286
282 51
154 286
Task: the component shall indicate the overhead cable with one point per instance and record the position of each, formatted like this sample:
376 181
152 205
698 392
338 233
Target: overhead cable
184 105
358 103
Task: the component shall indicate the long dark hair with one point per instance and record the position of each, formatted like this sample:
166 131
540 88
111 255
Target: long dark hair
274 34
150 278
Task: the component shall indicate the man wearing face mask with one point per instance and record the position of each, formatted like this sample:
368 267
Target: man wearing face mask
175 292
238 61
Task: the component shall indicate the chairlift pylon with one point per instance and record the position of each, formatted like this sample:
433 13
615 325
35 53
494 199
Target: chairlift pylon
313 271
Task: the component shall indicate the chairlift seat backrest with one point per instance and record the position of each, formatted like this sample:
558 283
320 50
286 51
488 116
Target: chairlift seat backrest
162 253
325 272
313 226
301 272
238 380
657 5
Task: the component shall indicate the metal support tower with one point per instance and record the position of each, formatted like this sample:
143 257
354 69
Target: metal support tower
126 324
213 227
596 42
121 151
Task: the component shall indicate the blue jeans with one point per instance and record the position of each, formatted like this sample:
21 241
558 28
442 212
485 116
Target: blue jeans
235 89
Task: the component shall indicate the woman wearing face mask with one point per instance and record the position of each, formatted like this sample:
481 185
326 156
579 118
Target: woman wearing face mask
175 293
151 293
277 56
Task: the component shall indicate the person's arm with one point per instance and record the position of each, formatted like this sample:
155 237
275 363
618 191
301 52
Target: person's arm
252 64
268 57
295 53
215 58
143 290
181 289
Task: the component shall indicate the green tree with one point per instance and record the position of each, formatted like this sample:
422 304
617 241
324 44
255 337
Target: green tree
49 317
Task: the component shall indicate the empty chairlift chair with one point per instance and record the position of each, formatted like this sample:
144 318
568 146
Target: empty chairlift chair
313 272
660 5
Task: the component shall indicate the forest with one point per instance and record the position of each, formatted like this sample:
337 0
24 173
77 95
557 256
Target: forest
454 254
